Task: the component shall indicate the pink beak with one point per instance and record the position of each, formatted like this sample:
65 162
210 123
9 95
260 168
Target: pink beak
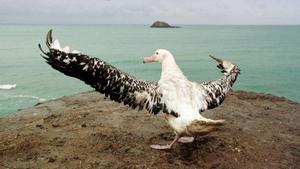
150 59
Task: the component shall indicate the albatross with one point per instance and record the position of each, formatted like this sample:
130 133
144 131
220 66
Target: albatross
179 99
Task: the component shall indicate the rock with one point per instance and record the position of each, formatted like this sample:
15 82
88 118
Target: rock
55 125
160 24
39 126
51 160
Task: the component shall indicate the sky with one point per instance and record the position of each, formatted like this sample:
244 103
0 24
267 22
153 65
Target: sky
258 12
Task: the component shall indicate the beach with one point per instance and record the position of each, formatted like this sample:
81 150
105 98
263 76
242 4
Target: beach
86 130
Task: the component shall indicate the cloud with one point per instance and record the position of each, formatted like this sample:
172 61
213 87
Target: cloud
146 11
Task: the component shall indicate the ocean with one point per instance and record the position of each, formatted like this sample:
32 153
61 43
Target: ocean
268 56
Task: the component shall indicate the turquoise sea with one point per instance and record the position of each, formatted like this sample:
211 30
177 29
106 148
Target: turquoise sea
269 57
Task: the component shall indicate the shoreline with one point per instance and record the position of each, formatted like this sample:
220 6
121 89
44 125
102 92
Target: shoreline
86 130
262 94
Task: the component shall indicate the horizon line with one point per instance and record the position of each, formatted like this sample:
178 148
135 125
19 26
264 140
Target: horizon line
187 24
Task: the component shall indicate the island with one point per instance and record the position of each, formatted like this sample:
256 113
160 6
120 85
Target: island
161 24
87 130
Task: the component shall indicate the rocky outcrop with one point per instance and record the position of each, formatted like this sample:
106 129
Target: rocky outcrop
160 24
87 130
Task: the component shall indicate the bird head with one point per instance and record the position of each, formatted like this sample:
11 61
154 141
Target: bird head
159 56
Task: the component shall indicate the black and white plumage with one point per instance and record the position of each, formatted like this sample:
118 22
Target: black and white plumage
105 78
217 89
180 99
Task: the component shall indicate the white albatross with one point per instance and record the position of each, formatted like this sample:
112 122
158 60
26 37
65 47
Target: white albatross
180 99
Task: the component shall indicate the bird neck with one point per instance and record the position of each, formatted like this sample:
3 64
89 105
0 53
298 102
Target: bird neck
169 67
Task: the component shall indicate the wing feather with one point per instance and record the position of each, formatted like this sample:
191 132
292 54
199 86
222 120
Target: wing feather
105 78
214 92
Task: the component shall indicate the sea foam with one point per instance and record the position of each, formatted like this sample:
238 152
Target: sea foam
30 97
8 86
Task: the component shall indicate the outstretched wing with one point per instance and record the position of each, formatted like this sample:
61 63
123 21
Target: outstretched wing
214 92
105 78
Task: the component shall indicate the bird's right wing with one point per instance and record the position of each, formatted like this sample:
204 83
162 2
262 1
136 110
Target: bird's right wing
105 78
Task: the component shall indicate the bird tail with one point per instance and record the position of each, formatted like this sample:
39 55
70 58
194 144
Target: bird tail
202 127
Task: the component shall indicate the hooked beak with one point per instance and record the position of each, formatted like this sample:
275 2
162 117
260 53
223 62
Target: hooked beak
150 59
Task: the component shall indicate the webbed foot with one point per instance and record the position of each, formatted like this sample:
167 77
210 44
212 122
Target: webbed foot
165 147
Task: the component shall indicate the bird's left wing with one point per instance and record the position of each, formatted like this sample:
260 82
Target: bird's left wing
105 78
213 92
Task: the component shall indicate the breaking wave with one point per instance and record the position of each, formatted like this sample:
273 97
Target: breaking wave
8 86
30 97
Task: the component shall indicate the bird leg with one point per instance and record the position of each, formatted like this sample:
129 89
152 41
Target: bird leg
186 139
164 147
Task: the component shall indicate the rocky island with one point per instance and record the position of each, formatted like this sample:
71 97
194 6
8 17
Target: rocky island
160 24
87 130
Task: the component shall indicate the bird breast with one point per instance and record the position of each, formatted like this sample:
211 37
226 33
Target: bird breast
178 95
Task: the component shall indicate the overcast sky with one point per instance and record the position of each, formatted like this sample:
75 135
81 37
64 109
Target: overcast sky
147 11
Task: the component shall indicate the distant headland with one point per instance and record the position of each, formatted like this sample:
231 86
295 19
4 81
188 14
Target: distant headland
161 24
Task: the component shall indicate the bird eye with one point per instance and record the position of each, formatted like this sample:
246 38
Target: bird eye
156 53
